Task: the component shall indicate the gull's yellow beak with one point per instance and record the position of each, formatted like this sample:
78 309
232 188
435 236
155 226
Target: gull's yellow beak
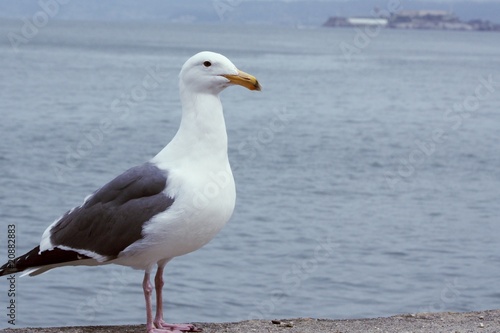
244 79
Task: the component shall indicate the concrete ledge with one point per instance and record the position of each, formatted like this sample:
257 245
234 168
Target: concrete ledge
446 322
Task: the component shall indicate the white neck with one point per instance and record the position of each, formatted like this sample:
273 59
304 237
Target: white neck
202 132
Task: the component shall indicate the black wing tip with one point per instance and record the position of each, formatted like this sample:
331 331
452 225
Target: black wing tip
35 258
8 270
14 266
11 268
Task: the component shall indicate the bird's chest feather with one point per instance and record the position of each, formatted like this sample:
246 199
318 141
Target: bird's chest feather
208 194
204 202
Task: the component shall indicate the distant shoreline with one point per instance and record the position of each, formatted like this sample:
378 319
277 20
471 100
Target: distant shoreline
415 20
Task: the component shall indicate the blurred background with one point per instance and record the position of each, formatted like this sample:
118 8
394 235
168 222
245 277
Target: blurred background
367 169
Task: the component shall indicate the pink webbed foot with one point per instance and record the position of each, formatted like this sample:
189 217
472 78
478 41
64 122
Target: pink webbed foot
152 329
177 327
158 325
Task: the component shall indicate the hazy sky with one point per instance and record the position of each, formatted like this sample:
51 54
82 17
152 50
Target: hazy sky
310 12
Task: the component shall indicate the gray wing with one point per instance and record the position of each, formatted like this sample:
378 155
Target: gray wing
112 218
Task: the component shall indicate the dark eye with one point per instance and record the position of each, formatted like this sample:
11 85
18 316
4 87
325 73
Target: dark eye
207 64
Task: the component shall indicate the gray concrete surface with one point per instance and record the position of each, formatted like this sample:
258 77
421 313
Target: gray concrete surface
445 322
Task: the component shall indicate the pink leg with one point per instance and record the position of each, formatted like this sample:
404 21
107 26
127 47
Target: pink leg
159 297
148 288
159 322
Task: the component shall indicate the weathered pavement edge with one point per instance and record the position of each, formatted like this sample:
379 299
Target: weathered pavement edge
446 322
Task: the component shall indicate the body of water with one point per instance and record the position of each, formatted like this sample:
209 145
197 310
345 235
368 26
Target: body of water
367 170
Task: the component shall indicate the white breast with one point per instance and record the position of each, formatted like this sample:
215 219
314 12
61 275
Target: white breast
205 196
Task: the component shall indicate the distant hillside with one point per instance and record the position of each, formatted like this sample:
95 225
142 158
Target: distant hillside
413 19
300 12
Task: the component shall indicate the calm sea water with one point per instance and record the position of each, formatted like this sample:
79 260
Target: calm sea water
368 179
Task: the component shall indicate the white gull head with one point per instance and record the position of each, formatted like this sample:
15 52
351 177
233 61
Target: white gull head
213 72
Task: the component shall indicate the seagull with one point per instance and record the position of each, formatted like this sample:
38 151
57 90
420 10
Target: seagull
167 207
